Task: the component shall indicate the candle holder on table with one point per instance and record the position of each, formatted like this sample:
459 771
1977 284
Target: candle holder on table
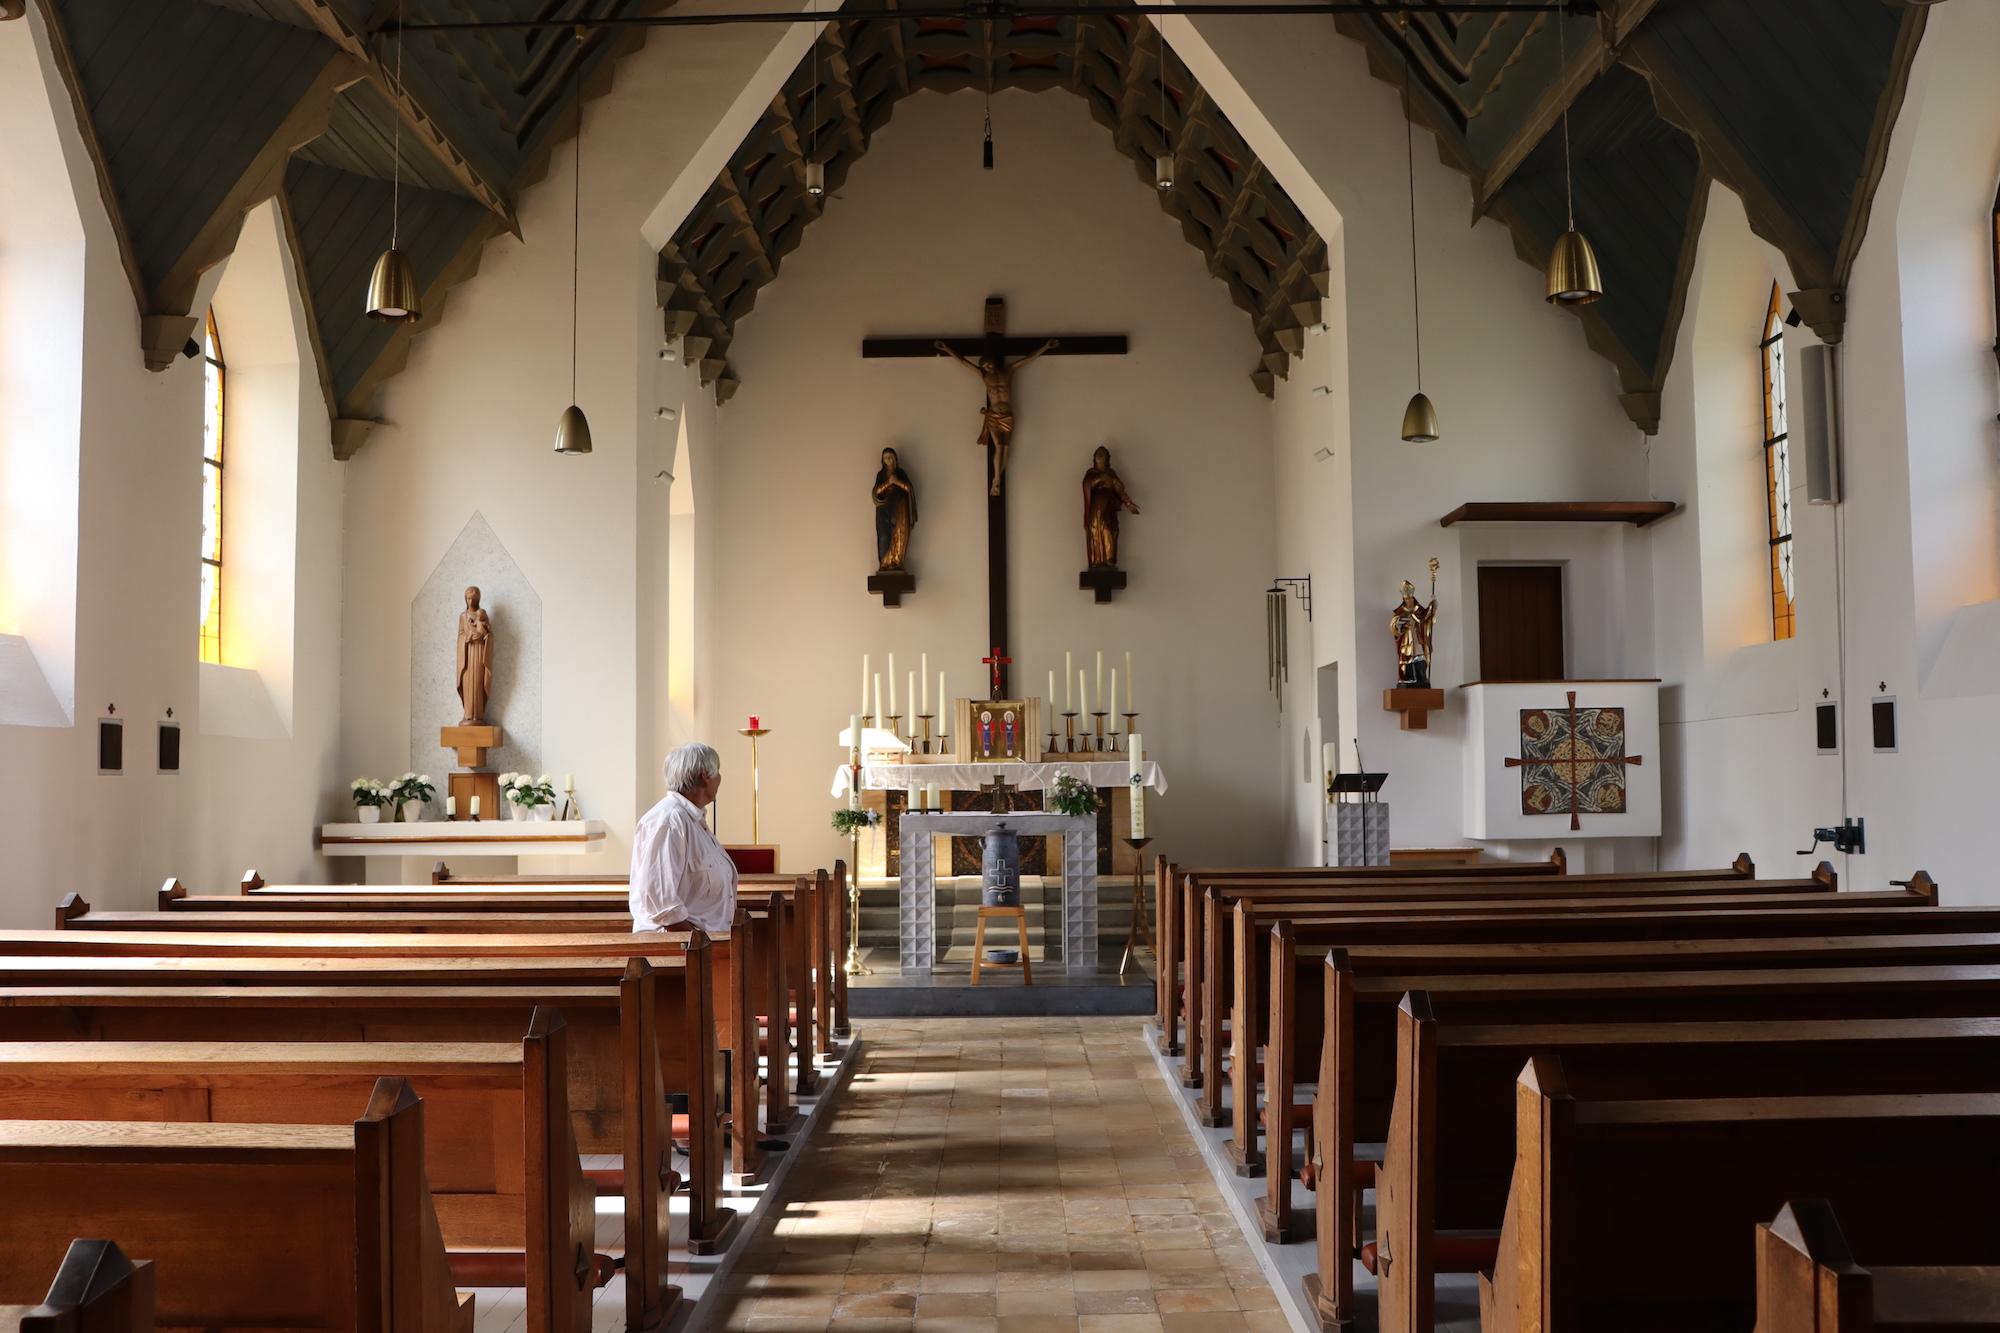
896 725
755 786
924 746
1069 732
1131 724
1099 729
1142 925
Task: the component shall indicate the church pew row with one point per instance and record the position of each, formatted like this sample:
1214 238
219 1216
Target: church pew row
1169 887
1294 1010
1210 980
227 1212
1450 1146
500 1155
744 967
95 1290
636 1031
821 895
1357 1074
1204 949
1808 1281
1602 1229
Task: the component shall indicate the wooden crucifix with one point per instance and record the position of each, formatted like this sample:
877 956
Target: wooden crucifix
988 355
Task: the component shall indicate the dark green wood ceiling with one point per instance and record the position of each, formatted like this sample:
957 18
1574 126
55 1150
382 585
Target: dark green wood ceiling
196 110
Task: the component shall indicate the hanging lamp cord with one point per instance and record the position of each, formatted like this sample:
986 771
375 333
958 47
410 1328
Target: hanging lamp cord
1562 72
396 169
576 208
1410 162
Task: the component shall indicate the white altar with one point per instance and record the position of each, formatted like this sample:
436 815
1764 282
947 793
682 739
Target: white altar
386 849
916 922
1112 771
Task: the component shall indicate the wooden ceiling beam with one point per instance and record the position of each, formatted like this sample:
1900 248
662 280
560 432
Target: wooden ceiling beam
420 122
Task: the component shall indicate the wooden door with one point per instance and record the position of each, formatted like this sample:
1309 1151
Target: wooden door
1521 622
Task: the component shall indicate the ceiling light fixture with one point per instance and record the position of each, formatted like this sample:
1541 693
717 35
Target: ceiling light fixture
1163 165
1572 271
392 288
1420 419
573 431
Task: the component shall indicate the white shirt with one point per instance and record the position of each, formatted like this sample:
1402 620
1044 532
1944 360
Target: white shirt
679 871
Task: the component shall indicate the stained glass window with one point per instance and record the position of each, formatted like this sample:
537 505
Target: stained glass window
1777 468
214 386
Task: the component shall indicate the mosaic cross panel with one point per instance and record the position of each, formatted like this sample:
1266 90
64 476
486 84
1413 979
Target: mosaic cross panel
1573 761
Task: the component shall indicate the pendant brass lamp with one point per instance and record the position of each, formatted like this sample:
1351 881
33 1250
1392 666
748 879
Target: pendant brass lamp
392 288
573 431
1163 164
1572 272
1420 419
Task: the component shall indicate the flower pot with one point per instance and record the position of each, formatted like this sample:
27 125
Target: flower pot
413 812
368 814
544 813
515 810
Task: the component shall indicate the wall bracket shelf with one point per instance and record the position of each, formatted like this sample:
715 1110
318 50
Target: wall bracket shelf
1638 513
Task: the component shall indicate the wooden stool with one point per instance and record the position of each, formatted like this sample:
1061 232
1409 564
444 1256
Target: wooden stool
1020 918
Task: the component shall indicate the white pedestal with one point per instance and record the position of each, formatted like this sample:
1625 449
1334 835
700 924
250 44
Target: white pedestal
917 894
1358 833
1495 809
404 853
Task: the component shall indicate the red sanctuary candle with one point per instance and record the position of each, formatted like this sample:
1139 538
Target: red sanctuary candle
753 722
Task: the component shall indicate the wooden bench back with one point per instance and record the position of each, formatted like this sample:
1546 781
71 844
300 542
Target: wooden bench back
306 1226
96 1290
1603 1231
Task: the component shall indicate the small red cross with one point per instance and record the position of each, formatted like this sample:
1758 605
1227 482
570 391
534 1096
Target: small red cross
996 661
1570 765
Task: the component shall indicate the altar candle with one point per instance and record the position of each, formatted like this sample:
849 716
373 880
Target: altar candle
753 722
892 685
1136 773
854 740
911 798
1329 758
569 779
864 682
911 695
944 712
1082 693
1069 704
878 700
1099 696
1131 694
1052 687
924 675
451 807
1114 691
475 806
931 797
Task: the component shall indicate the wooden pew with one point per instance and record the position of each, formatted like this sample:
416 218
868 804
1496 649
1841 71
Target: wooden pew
1205 947
500 1154
1809 1282
1639 1213
636 1032
302 1226
96 1290
1169 887
747 968
1210 978
1450 1145
1357 1063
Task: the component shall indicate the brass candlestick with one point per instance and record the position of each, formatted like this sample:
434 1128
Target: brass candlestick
896 725
753 733
1052 737
1099 738
1142 925
925 718
1131 724
853 966
1069 732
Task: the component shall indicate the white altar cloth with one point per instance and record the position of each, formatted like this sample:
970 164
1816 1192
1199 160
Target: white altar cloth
1110 772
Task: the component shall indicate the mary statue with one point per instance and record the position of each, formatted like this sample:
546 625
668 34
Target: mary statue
474 662
895 513
1103 497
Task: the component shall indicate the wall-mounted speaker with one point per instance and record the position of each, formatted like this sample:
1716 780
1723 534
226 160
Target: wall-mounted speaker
170 747
1826 727
1882 722
110 745
1816 424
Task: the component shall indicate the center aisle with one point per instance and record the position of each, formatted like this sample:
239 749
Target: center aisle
1002 1174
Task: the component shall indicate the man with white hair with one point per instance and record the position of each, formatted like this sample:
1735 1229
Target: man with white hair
681 877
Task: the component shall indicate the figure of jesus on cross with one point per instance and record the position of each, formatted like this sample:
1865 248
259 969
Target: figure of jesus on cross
996 419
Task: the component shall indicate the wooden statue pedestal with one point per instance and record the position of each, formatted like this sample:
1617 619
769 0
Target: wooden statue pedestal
464 786
1415 706
891 584
470 742
1102 580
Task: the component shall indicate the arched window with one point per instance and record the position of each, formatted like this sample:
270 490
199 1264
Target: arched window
1996 275
1777 468
214 387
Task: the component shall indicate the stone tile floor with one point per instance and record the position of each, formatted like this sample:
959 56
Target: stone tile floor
1009 1174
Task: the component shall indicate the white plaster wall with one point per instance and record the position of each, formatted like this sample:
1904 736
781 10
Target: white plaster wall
1528 411
138 503
470 422
1064 230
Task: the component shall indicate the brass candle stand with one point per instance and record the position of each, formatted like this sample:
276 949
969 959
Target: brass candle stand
1098 737
1069 733
925 743
1131 725
753 733
1142 925
896 725
852 965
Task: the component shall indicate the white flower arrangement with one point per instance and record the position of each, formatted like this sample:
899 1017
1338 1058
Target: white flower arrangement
367 791
525 790
412 787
